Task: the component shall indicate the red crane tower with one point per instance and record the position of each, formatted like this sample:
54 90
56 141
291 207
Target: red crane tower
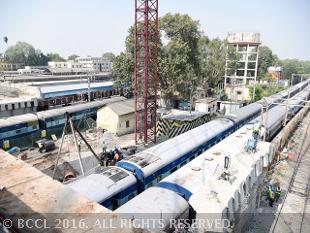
145 69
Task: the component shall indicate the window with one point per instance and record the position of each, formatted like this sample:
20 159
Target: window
158 178
132 195
127 124
18 131
182 164
173 170
6 107
239 92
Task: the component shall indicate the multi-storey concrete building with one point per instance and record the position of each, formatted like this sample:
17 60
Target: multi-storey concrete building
237 82
99 64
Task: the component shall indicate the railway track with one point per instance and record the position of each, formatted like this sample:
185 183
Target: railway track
294 213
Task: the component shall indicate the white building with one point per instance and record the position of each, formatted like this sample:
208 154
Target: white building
206 105
237 82
57 64
117 118
99 64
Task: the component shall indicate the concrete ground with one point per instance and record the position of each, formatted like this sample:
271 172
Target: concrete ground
45 161
292 212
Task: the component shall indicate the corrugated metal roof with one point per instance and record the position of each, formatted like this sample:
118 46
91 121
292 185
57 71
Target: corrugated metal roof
80 86
183 115
77 107
15 120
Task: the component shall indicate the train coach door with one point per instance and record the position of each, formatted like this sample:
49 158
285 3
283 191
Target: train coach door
114 204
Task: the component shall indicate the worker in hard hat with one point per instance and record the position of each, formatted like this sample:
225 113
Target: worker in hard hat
256 128
271 195
278 191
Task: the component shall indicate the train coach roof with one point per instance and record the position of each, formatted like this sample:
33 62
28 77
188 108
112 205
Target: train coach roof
277 112
158 156
193 175
215 195
103 183
78 107
244 112
15 120
156 201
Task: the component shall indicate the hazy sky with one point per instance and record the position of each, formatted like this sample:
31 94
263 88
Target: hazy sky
91 27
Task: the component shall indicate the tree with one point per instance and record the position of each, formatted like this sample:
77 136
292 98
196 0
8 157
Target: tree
265 59
185 60
181 55
123 70
55 57
294 66
5 39
110 56
258 92
214 58
73 57
26 54
178 59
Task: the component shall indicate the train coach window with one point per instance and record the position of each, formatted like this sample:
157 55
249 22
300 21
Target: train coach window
132 195
158 178
173 170
182 164
18 131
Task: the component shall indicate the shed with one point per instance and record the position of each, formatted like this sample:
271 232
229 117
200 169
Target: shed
207 105
117 117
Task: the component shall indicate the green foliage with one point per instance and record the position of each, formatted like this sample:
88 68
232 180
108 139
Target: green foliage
258 92
25 53
265 59
55 57
110 56
264 90
294 66
123 70
73 57
214 59
186 60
